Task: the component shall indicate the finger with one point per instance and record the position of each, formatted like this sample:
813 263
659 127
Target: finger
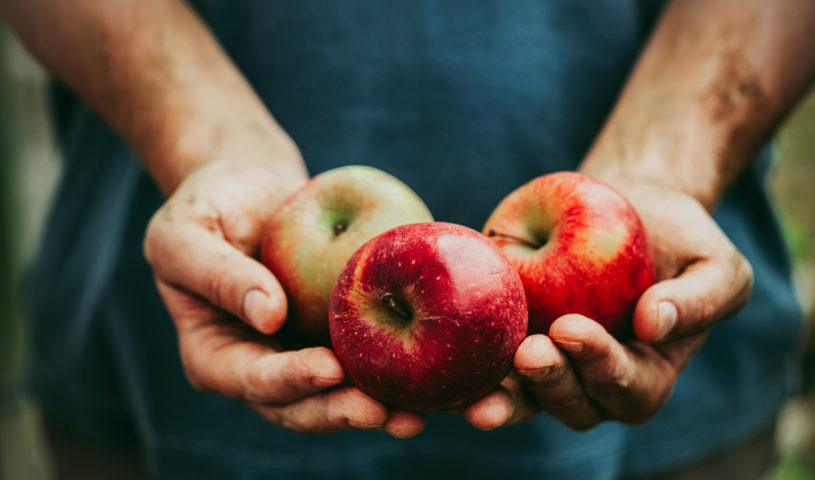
253 373
346 408
196 259
704 293
404 424
627 384
492 411
551 381
230 358
507 404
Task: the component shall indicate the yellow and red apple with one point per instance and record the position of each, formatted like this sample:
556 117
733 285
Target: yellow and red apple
312 235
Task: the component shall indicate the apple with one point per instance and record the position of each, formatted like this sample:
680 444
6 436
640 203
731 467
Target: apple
579 247
427 316
310 237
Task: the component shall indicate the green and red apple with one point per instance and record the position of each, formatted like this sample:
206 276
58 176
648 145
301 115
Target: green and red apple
579 247
313 234
428 316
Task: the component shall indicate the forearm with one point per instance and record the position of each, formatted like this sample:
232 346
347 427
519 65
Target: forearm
713 82
154 72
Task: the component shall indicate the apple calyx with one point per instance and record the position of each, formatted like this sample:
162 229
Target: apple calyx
389 300
532 245
339 227
340 221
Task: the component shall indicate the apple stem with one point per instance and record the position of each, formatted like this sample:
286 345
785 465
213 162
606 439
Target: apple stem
338 228
493 233
390 301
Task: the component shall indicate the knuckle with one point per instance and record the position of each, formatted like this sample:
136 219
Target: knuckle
618 382
745 268
346 403
152 238
255 383
566 403
193 376
334 413
296 371
740 268
708 313
291 424
309 362
285 420
196 383
213 283
547 376
598 356
746 272
274 416
302 360
292 417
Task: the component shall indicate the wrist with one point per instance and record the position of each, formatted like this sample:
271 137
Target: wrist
672 149
259 144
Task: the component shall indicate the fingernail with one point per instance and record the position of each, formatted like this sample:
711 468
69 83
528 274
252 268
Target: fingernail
539 342
323 382
573 347
538 374
361 426
256 308
666 318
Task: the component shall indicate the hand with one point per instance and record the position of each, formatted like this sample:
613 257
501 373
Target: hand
201 245
582 376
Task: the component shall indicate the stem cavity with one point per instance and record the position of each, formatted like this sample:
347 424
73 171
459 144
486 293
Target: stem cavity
389 300
522 241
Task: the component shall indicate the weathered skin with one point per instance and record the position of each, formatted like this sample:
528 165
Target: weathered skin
428 317
312 235
579 247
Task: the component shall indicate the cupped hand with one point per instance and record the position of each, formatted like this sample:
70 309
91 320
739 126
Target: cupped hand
581 375
202 245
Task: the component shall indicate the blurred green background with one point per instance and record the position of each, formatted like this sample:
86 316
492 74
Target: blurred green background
793 185
29 167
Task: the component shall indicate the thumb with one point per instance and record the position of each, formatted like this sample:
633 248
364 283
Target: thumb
193 258
705 292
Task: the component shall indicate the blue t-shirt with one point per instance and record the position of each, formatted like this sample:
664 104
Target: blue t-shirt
462 100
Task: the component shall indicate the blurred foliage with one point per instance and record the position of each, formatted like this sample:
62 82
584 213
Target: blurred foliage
792 468
793 188
7 328
797 234
793 180
24 150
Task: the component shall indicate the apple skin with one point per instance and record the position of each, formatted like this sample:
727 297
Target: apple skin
310 237
428 317
579 247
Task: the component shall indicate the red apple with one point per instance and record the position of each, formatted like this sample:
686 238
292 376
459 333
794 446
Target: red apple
579 247
311 236
427 316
